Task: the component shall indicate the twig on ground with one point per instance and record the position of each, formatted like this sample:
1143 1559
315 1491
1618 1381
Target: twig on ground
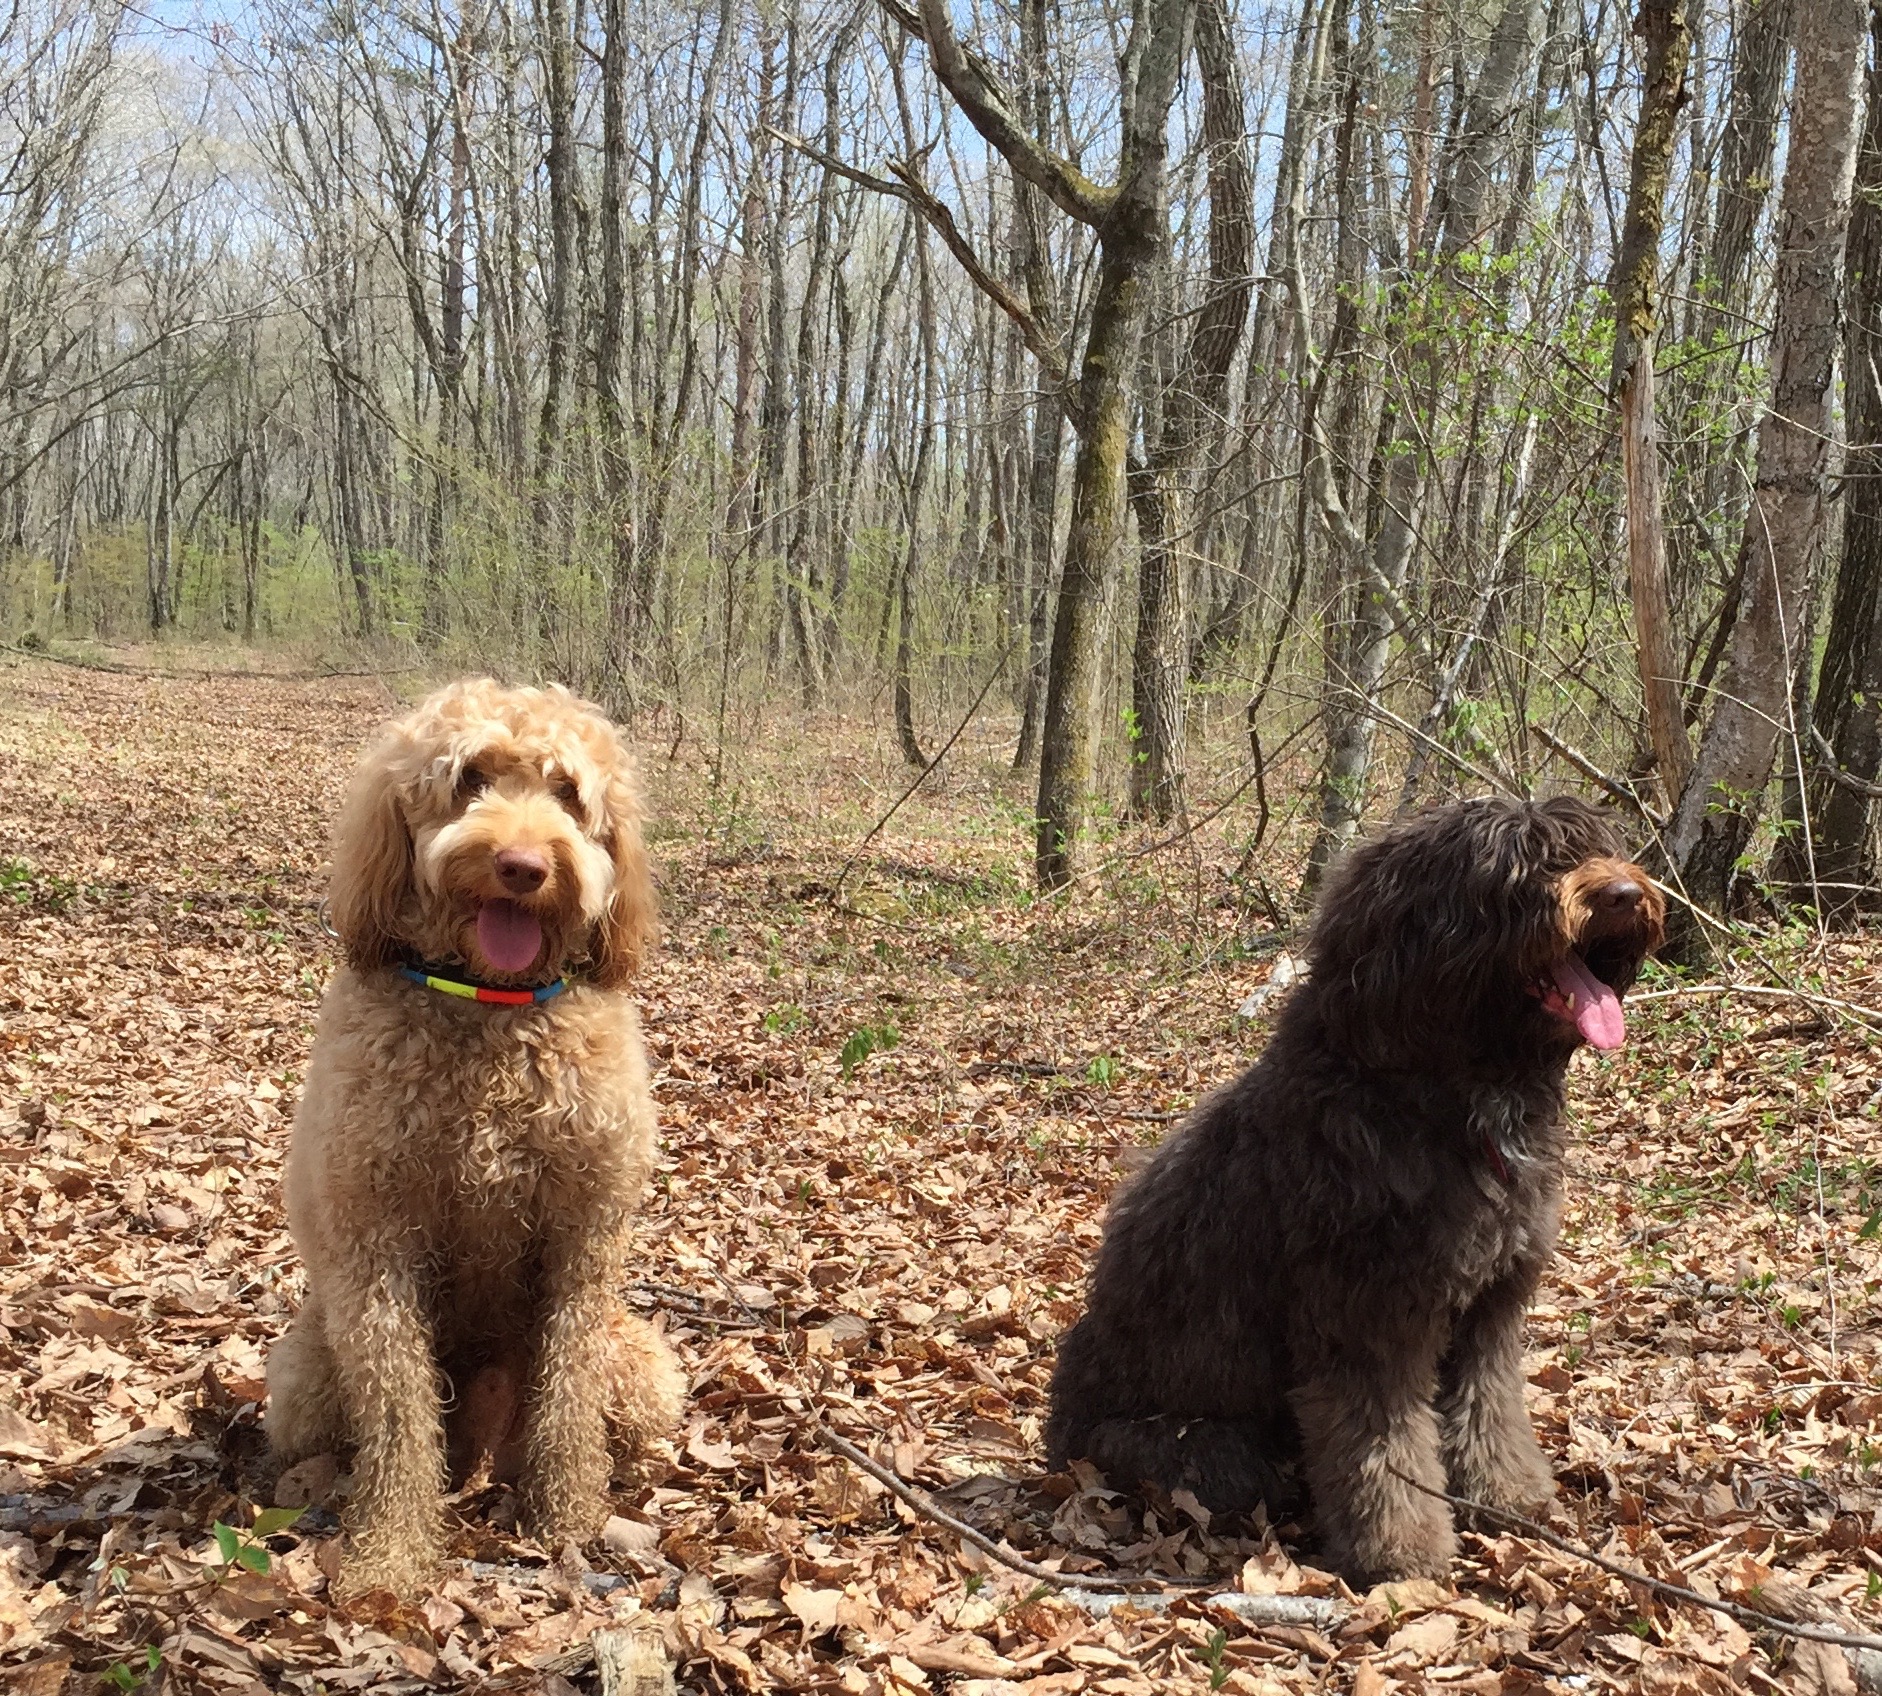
1660 1586
1828 1003
199 674
925 1505
921 777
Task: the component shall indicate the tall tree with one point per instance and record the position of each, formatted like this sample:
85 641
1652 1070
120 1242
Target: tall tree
1160 488
1848 712
1130 219
1661 24
1712 827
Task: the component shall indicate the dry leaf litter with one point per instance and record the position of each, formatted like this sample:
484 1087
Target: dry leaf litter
893 1106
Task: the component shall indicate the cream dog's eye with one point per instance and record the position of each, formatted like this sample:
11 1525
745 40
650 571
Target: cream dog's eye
472 780
570 797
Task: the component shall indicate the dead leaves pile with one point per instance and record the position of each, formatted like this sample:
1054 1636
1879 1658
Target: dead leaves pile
894 1105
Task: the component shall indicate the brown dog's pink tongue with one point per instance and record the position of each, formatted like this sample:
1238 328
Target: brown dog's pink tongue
508 936
1596 1007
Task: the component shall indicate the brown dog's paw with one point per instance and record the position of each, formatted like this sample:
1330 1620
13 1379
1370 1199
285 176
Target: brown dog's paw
1426 1554
1514 1478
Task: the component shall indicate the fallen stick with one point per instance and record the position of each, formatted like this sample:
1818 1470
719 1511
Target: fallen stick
1865 1641
1826 1003
925 1505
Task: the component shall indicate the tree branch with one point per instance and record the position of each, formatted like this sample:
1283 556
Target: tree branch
974 86
907 187
1835 773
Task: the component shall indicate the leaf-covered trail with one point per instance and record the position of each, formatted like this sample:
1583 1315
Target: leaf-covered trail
892 1115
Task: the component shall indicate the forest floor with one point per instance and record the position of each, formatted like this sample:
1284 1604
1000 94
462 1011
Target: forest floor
893 1106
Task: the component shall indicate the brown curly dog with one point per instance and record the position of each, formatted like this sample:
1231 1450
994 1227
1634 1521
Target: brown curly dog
1322 1278
474 1133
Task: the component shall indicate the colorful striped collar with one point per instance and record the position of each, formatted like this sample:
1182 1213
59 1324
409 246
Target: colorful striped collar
470 990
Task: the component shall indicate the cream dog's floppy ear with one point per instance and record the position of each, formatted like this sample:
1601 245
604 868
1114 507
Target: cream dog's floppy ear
631 922
372 861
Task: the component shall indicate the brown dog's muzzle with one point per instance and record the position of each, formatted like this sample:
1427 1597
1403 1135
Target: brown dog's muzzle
1617 908
1608 900
1612 917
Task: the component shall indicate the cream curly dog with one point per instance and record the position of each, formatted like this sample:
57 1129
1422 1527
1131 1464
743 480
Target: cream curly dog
475 1133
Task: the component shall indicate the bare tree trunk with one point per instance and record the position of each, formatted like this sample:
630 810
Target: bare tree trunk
1635 289
1042 503
1848 709
558 65
1712 827
913 493
625 613
1750 141
1131 221
1161 496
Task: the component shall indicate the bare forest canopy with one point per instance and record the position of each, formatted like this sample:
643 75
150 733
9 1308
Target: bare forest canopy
1449 394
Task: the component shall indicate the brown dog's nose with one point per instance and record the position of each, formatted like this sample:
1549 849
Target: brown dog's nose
1619 897
522 871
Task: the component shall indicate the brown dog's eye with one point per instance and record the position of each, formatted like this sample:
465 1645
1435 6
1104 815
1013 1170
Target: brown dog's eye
472 781
569 796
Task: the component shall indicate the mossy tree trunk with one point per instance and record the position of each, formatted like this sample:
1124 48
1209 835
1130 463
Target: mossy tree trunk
1130 219
1635 287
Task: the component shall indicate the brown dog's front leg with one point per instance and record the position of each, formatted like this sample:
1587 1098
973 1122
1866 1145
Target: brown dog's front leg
1490 1448
382 1347
1369 1441
565 1445
1367 1365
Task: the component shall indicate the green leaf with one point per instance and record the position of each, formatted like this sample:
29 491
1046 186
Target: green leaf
272 1520
254 1557
871 1039
228 1540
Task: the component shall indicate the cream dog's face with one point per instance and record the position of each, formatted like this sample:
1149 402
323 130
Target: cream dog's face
499 828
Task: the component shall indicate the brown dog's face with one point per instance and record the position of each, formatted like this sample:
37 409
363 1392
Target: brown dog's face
1610 919
1489 934
499 828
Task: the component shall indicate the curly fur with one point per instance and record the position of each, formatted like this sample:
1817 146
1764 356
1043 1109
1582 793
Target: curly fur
1316 1289
463 1176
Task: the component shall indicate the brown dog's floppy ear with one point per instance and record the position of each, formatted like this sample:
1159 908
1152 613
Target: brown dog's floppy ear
372 862
632 921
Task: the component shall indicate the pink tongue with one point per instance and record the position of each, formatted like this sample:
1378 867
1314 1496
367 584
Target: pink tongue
509 936
1596 1007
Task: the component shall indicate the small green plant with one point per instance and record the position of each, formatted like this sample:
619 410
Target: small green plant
1641 1627
247 1548
1873 1588
1214 1656
975 1582
1103 1071
121 1676
785 1018
871 1039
